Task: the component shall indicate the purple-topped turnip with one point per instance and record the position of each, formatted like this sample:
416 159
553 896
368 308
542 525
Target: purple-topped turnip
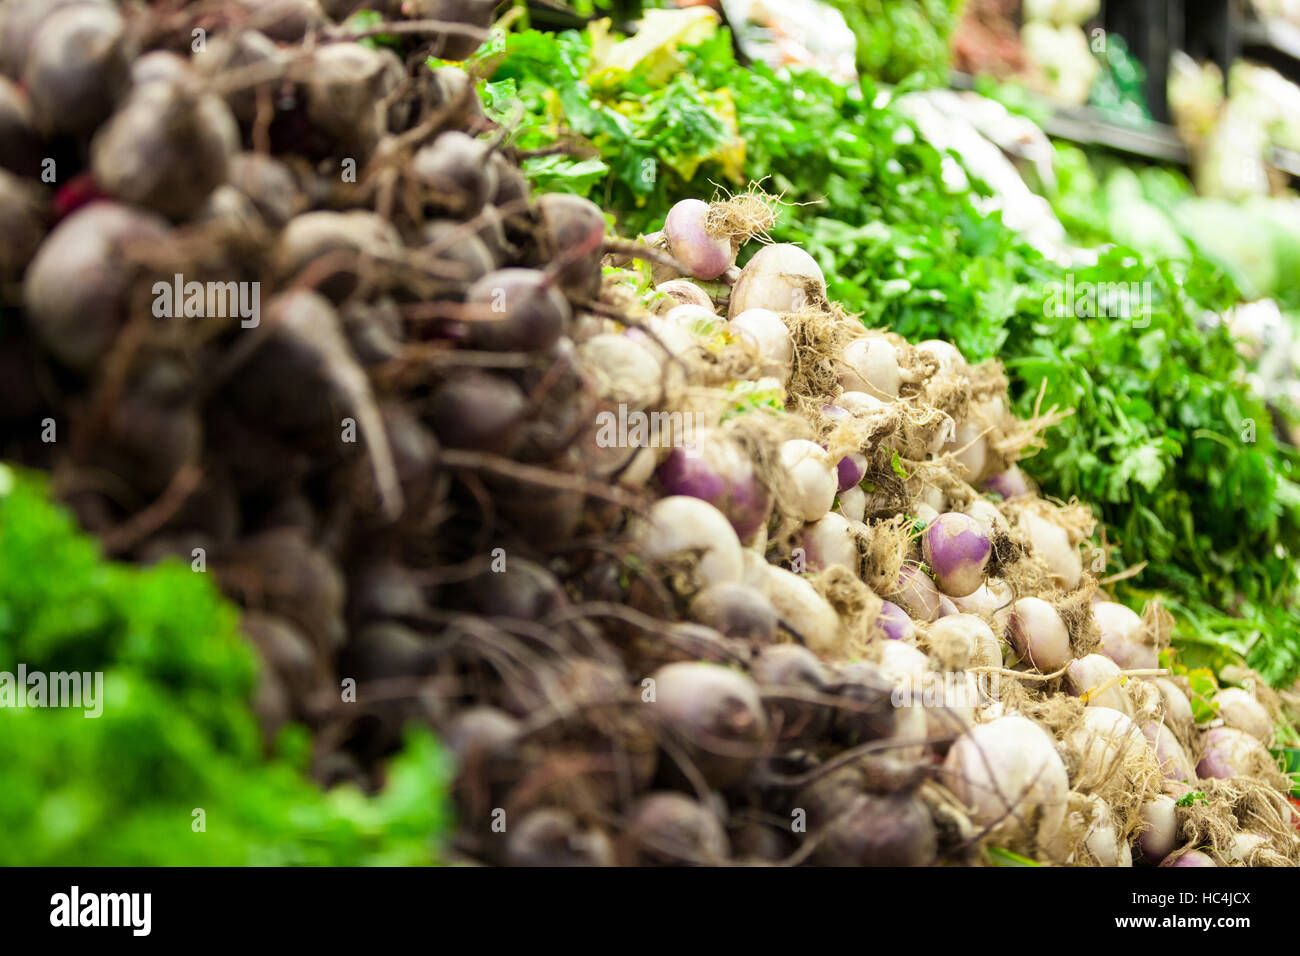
957 549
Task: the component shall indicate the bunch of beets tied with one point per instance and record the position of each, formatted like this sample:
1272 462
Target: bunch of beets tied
681 563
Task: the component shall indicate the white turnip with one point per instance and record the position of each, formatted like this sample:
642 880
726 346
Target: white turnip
1039 635
780 277
683 524
812 478
1008 770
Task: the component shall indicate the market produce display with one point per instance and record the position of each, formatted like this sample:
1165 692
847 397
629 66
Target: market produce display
502 492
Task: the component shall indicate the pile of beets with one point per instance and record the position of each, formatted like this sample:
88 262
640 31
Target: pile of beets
277 302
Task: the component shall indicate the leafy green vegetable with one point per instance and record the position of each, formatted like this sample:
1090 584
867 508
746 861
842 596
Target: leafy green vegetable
175 735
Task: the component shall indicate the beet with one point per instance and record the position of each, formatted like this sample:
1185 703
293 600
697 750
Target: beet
456 173
525 591
386 650
166 149
284 21
532 313
76 68
474 13
573 231
269 184
864 829
288 652
314 235
281 572
477 411
20 21
553 837
796 669
873 717
343 84
22 223
452 243
76 289
669 829
23 150
234 53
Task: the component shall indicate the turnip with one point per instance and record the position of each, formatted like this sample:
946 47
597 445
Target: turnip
736 610
793 668
1227 752
1105 741
681 523
478 411
1100 841
957 549
166 149
860 403
1098 679
626 372
1157 836
812 478
1009 484
1051 542
916 594
828 541
990 518
1008 770
553 837
800 606
1122 636
703 255
715 714
76 68
718 471
1190 858
894 624
945 354
852 503
1039 635
1239 709
780 277
684 292
960 641
532 313
770 338
932 496
990 601
870 365
700 322
670 829
924 513
850 470
1178 709
969 449
76 289
1169 752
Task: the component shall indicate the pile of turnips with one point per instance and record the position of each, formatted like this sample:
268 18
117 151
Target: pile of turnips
863 493
681 563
